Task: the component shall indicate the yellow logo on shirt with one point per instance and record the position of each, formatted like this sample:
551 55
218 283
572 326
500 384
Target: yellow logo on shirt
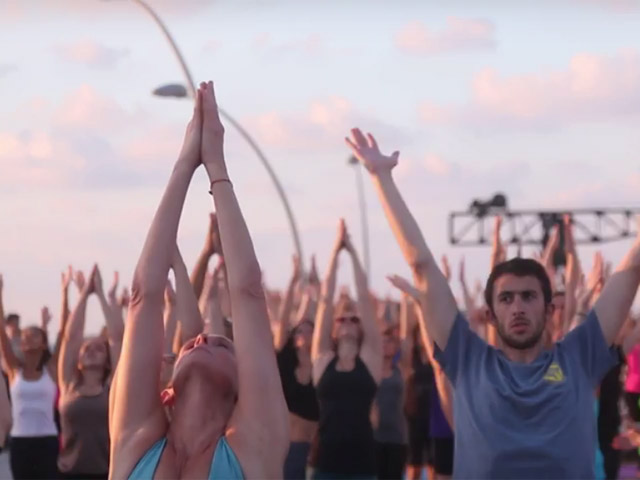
554 373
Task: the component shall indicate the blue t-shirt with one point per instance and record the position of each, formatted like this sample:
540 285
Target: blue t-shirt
515 420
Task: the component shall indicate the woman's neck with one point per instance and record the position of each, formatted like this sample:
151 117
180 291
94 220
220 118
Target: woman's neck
199 419
31 362
347 353
92 378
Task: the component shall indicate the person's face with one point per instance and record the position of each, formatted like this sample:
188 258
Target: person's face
32 340
210 357
303 335
347 327
13 327
390 344
519 311
93 354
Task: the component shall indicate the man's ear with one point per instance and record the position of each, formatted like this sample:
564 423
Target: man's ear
549 310
489 316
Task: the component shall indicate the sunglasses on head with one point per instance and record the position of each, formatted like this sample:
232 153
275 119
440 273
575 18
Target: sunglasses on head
352 319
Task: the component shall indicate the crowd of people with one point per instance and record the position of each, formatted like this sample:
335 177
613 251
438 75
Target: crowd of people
534 373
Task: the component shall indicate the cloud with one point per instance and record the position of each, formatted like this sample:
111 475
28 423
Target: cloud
88 52
459 34
310 45
321 127
85 108
7 68
591 88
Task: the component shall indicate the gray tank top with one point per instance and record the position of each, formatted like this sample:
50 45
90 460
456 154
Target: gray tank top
392 427
84 425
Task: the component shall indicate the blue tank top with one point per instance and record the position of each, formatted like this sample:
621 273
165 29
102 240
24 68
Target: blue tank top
224 463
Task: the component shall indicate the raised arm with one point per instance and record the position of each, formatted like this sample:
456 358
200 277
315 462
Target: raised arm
573 274
73 337
189 315
445 390
211 246
442 306
170 324
6 418
9 359
614 303
259 383
321 343
112 316
66 278
136 402
371 348
498 252
286 307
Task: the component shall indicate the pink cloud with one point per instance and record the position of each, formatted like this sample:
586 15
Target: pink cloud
321 127
86 108
590 88
36 159
88 52
459 34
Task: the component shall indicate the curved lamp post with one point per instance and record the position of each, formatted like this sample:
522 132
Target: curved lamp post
362 205
180 91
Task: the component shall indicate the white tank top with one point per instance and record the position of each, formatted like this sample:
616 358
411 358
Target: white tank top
32 405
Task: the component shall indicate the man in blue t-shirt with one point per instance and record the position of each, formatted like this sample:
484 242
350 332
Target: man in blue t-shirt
522 411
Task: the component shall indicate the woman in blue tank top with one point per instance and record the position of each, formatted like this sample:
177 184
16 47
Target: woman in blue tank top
226 414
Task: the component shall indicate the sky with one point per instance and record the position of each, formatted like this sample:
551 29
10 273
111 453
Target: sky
539 100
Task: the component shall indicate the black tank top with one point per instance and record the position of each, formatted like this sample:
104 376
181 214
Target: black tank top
301 399
345 434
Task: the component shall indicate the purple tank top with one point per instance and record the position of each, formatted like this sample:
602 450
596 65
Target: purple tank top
438 425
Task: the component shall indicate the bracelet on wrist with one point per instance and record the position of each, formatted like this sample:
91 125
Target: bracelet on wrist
218 180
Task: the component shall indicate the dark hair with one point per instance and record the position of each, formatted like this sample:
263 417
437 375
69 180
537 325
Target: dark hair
108 368
520 267
13 317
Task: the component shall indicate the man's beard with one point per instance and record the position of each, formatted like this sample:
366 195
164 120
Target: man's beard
525 343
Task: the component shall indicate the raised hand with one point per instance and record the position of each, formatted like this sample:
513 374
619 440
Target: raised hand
404 286
569 240
314 278
79 280
113 288
462 277
123 301
212 135
342 232
367 152
446 268
66 278
169 294
45 317
94 285
297 271
191 145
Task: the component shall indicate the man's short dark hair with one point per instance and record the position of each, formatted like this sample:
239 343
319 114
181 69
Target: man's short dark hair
520 267
13 318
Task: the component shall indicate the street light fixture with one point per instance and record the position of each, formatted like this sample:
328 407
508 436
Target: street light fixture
182 91
362 205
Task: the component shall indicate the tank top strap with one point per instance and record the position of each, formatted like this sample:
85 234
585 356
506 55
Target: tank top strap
225 464
146 467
